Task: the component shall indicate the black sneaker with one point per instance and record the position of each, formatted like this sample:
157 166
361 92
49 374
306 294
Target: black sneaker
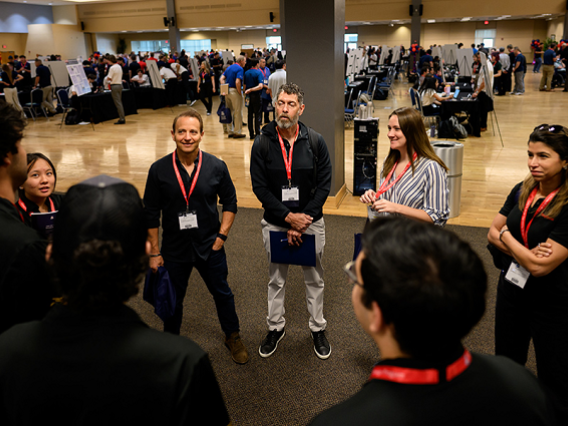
270 343
321 345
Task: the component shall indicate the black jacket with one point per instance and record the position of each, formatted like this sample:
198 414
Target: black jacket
268 175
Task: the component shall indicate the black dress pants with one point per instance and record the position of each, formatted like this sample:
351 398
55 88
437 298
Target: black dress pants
171 91
206 96
254 114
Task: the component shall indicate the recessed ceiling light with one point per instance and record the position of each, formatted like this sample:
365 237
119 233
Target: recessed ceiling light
195 31
248 26
431 21
466 19
506 16
396 20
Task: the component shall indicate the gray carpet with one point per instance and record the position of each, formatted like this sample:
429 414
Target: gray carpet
293 385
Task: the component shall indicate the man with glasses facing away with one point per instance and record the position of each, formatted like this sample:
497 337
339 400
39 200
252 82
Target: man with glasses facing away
418 290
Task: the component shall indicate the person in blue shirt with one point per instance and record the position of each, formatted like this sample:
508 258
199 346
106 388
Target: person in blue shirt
520 68
265 98
254 83
548 68
473 47
426 59
234 77
43 81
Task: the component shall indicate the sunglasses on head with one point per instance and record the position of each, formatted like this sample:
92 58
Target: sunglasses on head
552 128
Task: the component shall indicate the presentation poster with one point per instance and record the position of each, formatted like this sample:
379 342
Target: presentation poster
79 79
155 75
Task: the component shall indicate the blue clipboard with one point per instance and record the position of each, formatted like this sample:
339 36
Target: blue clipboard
281 252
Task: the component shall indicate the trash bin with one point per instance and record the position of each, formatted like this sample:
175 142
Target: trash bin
451 154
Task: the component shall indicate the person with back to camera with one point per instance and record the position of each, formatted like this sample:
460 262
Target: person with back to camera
92 353
414 180
36 193
531 231
425 375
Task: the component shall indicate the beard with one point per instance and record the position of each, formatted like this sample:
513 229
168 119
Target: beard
286 124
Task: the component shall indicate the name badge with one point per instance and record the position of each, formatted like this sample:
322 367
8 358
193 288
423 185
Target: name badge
291 196
188 220
371 213
265 82
517 275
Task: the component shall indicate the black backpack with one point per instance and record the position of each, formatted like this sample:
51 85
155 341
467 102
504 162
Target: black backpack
72 117
264 143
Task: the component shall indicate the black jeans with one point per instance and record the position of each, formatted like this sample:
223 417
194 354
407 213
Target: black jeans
214 272
254 114
206 95
171 85
265 103
187 85
540 314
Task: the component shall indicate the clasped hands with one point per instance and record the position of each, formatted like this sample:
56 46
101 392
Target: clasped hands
541 250
381 206
300 223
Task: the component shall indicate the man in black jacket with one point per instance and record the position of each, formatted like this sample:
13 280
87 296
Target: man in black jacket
25 292
291 176
418 290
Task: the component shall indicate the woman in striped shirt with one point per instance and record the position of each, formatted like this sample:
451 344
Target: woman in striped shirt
414 179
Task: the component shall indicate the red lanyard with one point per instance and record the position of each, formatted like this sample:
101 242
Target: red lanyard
19 212
412 376
263 73
288 161
193 182
384 188
543 205
24 208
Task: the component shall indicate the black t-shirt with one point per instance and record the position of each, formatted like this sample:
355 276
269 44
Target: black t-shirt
31 207
492 391
44 76
106 367
134 67
6 79
24 72
542 228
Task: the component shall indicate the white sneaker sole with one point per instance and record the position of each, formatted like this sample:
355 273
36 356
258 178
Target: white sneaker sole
275 347
318 354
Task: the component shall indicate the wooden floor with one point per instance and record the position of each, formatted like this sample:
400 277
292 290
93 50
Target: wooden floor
490 171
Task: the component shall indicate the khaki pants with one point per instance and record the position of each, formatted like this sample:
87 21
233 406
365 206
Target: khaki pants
11 96
235 103
48 99
116 91
546 79
313 278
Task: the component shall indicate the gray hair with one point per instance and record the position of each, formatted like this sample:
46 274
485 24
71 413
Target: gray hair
292 89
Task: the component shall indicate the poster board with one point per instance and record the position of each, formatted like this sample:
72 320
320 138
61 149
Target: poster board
194 68
437 51
358 56
155 74
350 62
59 75
384 54
449 53
79 79
395 54
464 59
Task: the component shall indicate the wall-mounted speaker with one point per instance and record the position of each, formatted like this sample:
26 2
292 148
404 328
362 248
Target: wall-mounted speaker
272 16
82 26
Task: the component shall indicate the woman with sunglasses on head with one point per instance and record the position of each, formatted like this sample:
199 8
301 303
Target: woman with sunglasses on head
36 193
414 179
531 231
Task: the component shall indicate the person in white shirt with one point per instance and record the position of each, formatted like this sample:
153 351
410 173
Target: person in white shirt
277 79
114 78
170 78
185 76
141 78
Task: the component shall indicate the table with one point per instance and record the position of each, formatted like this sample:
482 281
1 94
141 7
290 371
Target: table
101 106
149 97
462 104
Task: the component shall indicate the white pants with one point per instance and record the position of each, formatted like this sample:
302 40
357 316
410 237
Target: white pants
11 96
313 278
48 99
235 103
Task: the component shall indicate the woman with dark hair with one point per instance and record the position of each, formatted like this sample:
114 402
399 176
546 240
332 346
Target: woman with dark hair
206 86
36 193
9 80
531 231
414 179
431 100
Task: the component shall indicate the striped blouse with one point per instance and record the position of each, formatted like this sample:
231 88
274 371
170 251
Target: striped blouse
426 189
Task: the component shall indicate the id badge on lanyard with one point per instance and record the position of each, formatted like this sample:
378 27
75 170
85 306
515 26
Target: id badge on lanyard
517 275
291 196
187 218
371 213
290 193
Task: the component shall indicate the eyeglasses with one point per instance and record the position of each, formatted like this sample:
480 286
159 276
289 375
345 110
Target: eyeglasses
552 128
349 270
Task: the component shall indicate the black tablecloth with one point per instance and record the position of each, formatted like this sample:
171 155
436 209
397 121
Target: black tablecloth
470 106
150 97
102 107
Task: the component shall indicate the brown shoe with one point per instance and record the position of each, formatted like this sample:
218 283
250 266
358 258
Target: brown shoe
238 351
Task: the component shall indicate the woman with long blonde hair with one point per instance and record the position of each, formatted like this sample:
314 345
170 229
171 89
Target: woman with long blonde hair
9 80
414 180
